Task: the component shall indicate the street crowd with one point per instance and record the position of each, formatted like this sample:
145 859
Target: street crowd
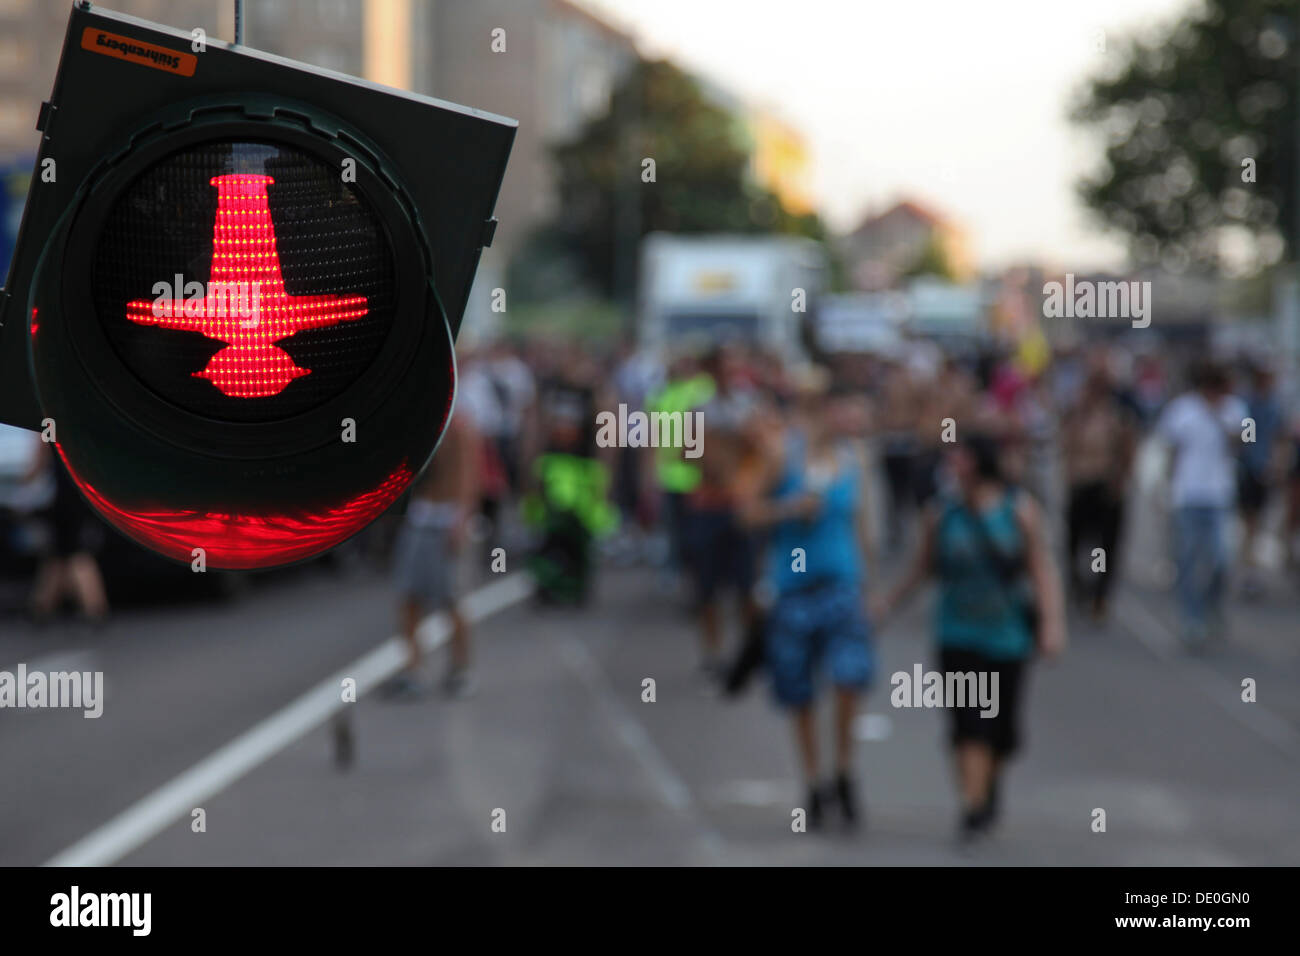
1006 475
817 498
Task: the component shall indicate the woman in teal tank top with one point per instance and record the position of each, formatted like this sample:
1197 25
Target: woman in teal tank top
998 599
976 609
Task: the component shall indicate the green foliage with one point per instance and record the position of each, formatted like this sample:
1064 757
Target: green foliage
1179 116
701 176
933 261
544 269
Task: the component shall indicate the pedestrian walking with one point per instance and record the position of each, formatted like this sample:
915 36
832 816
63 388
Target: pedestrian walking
815 514
999 600
1257 471
1202 429
433 533
70 566
1098 441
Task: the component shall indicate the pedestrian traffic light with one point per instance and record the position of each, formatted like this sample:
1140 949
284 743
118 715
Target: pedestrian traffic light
237 286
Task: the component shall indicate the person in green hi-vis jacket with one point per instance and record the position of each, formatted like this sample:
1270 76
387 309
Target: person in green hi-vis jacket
687 389
569 506
711 546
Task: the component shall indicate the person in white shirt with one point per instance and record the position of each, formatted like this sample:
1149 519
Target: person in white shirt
1203 429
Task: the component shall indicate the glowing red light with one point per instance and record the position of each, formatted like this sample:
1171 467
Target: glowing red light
246 278
242 541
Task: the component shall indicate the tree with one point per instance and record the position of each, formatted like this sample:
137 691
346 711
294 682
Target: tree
1200 123
933 261
701 179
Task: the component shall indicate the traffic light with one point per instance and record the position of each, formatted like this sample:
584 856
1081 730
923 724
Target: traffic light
236 289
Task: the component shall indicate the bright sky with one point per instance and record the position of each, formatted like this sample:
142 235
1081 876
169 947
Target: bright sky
960 104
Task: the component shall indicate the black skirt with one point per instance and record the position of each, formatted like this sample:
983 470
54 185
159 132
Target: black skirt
1002 731
76 529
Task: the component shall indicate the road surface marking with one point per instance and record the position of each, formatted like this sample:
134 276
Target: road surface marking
145 819
1157 637
1150 630
872 727
672 788
756 793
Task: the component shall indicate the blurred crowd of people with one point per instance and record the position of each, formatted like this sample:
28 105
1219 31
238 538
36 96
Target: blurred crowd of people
45 524
1006 479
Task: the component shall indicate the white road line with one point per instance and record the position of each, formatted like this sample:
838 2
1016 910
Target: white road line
872 727
142 821
755 793
672 788
1164 644
1150 631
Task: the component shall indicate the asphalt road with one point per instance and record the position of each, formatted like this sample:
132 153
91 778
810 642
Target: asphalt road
559 739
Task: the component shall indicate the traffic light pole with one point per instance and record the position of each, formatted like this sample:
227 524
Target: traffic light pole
239 22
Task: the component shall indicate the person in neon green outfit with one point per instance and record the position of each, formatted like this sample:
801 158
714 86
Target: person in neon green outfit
687 389
569 506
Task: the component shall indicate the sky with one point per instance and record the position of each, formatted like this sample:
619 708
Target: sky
959 104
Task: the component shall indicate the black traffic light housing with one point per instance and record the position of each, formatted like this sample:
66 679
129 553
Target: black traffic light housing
280 483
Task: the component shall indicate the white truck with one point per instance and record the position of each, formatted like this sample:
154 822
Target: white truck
698 291
858 322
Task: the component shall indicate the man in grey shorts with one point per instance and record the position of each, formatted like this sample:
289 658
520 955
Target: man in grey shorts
426 554
423 557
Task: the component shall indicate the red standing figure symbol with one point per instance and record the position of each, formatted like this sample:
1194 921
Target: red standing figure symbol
245 263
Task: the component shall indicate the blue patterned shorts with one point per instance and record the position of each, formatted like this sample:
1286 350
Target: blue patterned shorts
822 625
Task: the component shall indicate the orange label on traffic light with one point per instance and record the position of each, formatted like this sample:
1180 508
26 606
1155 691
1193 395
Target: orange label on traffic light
136 51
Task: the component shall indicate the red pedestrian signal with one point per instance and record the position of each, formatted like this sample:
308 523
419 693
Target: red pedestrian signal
249 275
216 296
250 310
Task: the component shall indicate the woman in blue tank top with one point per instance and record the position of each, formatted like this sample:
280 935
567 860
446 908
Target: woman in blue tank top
998 599
813 511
